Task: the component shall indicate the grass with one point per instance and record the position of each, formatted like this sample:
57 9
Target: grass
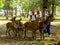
57 8
57 19
4 19
2 29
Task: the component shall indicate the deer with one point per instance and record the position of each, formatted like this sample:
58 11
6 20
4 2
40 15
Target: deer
43 24
13 26
32 26
39 24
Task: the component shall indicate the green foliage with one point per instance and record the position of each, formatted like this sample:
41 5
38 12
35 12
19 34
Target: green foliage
57 9
10 4
34 5
57 2
1 4
43 43
29 5
26 7
14 3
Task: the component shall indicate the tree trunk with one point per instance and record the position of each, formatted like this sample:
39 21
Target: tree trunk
16 11
27 14
4 12
11 12
53 7
7 14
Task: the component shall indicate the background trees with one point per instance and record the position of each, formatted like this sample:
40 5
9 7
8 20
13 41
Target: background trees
26 5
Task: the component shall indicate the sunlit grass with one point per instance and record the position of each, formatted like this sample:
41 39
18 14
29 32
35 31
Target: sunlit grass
4 19
57 19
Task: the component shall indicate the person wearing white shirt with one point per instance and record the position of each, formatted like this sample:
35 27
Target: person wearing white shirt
33 16
47 30
38 14
46 13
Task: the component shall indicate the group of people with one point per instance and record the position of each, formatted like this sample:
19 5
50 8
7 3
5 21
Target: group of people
34 16
38 15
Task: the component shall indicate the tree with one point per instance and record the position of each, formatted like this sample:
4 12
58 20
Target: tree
9 5
1 4
6 7
57 2
13 6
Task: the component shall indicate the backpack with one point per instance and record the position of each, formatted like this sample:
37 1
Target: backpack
31 16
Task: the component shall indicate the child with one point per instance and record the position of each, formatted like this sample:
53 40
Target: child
33 16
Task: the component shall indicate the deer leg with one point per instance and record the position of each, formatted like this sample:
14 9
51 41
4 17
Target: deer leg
22 33
25 34
43 35
15 33
19 33
40 34
7 32
34 34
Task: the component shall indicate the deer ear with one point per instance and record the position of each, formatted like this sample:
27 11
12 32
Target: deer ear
13 18
20 19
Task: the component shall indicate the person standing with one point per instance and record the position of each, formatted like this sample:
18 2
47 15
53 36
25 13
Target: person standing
33 16
47 30
38 14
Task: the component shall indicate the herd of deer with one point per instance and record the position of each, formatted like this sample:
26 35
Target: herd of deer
17 27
